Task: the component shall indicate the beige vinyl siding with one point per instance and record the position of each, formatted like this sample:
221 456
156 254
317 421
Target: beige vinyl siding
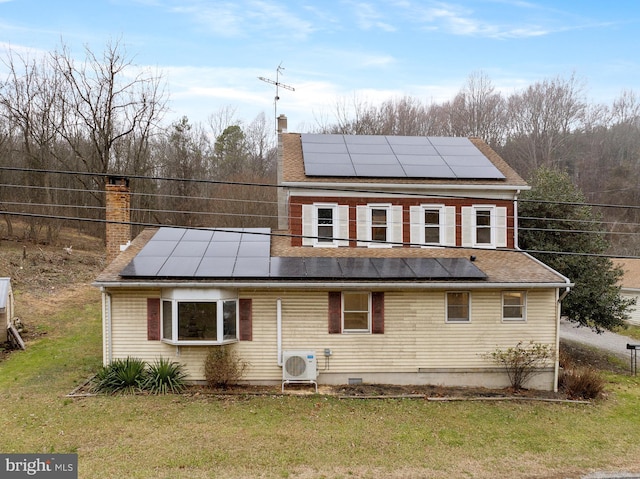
416 335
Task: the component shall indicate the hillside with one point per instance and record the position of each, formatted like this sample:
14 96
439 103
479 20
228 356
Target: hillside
45 276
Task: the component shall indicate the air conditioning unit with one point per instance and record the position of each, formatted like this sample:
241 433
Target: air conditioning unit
299 367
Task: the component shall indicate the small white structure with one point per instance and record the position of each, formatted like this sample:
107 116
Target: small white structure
630 286
6 307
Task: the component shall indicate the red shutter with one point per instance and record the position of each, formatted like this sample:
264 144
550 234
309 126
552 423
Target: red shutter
377 314
246 313
153 319
335 312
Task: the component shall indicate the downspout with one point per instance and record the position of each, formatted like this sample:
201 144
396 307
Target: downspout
279 329
515 220
558 314
108 343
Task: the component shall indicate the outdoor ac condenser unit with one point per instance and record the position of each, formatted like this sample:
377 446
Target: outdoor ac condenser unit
299 367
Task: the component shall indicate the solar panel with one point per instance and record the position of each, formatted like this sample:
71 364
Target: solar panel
378 156
245 254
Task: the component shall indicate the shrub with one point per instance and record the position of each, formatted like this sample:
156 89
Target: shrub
223 367
581 383
165 376
522 362
122 375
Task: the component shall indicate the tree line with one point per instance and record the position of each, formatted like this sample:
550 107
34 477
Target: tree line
102 115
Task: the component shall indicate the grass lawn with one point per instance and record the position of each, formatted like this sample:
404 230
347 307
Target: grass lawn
292 436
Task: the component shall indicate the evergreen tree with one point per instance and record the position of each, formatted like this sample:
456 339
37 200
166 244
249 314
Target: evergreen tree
553 218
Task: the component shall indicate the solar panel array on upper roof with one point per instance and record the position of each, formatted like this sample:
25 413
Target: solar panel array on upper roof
241 254
395 157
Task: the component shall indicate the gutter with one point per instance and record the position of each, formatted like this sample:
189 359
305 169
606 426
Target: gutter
388 285
375 187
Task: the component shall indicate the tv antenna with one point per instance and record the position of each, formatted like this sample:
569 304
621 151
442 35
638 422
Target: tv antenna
277 83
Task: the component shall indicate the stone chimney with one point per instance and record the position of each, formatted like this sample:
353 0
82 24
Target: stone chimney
118 215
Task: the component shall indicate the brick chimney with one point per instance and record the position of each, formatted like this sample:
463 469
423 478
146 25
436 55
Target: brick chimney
118 215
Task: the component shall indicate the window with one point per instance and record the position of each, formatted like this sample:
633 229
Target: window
514 306
484 230
485 226
432 226
325 225
458 307
379 224
199 322
355 312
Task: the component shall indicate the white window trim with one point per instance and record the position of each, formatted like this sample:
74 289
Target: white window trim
389 225
446 308
492 226
523 319
442 225
356 331
335 219
198 296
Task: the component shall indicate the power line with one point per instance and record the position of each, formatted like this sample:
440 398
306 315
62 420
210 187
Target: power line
308 187
291 236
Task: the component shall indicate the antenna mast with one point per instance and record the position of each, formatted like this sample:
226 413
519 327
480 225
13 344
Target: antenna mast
277 83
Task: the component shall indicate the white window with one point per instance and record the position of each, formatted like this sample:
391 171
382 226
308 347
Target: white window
484 226
201 321
379 225
458 307
325 224
356 312
432 230
514 306
483 230
433 225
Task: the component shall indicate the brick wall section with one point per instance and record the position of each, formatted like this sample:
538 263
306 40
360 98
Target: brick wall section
118 215
295 213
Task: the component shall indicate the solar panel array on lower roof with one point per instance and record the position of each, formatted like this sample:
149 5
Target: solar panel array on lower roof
243 254
371 156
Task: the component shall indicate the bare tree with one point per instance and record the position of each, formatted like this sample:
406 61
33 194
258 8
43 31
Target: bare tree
541 120
29 103
106 100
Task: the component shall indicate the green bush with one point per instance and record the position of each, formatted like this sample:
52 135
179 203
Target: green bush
581 382
122 375
165 376
522 362
223 367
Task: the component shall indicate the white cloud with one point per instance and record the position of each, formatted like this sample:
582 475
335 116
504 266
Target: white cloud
369 18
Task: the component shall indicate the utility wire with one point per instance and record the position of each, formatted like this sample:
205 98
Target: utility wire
289 235
309 187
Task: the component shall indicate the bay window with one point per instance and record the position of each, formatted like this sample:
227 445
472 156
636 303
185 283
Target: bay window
199 317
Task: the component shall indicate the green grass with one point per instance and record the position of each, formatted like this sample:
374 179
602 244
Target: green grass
202 436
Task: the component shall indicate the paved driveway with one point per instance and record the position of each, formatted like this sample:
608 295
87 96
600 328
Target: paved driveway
611 342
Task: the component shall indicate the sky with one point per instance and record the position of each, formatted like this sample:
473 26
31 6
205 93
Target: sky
330 54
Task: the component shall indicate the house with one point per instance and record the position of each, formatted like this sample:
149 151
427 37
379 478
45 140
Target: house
630 286
395 261
6 308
